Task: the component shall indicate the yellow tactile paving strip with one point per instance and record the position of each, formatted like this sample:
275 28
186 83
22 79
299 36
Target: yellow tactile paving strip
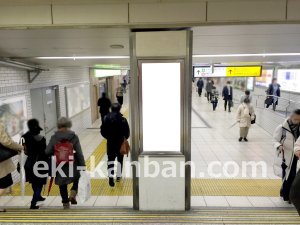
129 216
199 187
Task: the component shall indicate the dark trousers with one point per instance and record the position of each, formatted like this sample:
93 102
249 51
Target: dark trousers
200 91
120 100
287 184
110 165
215 105
37 190
64 191
227 101
208 96
294 192
274 106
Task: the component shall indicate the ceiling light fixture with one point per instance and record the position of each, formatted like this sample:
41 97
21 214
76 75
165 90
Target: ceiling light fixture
85 57
243 55
117 46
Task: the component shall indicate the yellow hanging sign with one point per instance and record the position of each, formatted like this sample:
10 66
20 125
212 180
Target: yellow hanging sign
243 71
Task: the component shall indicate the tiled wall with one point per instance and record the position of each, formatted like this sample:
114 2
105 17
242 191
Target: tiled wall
14 82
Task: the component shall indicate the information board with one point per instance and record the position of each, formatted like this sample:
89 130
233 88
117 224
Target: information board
289 79
266 78
231 71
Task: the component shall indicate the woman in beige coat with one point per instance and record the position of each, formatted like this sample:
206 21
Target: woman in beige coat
7 166
245 115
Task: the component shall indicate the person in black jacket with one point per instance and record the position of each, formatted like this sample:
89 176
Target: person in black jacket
227 95
200 85
104 103
115 128
274 89
35 146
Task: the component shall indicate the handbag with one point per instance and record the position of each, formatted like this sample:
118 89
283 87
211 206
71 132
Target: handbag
125 148
253 121
269 101
6 153
231 103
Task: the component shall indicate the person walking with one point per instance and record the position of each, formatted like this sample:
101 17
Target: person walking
209 87
274 89
7 166
295 187
284 139
227 95
120 93
245 115
124 85
35 146
104 103
71 172
246 95
115 128
200 85
214 98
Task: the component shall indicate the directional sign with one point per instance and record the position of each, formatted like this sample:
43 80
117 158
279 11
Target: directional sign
244 71
231 71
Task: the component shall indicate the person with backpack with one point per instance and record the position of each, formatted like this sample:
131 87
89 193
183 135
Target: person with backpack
65 146
35 146
245 115
104 103
7 166
200 85
214 98
284 139
115 129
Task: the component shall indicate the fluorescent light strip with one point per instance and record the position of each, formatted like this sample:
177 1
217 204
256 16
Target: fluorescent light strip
86 57
195 56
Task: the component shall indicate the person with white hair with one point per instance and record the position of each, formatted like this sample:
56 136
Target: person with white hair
65 138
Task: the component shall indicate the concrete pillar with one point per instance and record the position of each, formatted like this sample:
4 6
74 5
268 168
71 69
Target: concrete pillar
161 68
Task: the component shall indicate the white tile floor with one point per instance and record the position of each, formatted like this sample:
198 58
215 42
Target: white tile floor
218 143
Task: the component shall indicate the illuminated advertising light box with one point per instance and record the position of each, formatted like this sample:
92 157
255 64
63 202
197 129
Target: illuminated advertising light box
107 73
289 79
231 71
250 83
266 78
161 133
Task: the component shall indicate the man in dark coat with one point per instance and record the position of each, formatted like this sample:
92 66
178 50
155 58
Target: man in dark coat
104 104
200 85
274 89
227 96
115 128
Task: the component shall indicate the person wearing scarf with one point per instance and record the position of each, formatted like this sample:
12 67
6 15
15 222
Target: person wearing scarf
245 115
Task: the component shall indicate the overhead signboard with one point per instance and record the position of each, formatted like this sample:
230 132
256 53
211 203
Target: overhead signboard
107 73
289 80
231 71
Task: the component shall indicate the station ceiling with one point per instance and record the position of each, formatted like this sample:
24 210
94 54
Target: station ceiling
26 45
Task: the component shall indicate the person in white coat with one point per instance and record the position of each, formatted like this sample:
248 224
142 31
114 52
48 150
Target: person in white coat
245 115
284 139
295 187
